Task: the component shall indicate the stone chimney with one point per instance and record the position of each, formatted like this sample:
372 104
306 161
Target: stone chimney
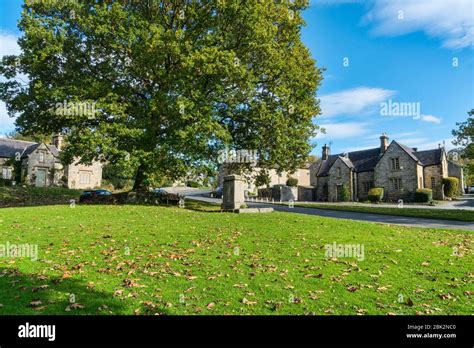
326 152
383 142
58 141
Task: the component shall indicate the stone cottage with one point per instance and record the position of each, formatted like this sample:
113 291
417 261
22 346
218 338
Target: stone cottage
399 169
301 174
41 167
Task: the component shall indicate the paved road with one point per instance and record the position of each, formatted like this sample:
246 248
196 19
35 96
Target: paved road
377 218
385 219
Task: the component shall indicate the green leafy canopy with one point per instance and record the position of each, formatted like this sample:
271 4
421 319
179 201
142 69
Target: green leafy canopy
167 83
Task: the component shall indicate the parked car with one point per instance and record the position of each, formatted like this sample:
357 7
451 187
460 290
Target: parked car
471 189
217 193
164 196
96 196
160 191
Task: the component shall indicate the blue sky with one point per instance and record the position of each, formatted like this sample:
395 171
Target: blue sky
373 51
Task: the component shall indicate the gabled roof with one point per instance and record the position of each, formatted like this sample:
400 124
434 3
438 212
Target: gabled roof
429 157
360 161
408 150
33 147
347 161
326 165
10 147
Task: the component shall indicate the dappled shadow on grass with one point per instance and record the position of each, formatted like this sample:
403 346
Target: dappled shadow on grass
30 294
200 206
189 204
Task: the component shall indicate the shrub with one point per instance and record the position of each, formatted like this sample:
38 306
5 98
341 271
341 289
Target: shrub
263 179
451 186
292 182
346 195
192 183
243 206
423 195
5 182
375 194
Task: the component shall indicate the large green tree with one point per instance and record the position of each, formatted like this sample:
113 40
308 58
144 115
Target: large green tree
465 135
172 82
465 139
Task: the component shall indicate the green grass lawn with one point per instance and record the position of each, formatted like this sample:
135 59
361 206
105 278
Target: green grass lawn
135 259
446 214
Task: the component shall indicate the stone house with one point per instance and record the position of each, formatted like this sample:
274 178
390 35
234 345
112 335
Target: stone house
397 168
41 167
302 174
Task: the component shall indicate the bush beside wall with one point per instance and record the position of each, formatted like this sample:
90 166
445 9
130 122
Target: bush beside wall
375 194
423 195
451 186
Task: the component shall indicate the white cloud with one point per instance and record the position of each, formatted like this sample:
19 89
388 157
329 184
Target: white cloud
393 136
452 21
424 143
353 101
430 118
342 130
8 46
7 124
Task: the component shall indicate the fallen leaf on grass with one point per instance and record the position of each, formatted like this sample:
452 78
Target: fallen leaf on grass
35 303
74 306
382 288
248 303
41 287
240 286
445 296
39 308
211 305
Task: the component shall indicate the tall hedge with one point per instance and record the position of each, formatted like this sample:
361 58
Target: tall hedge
451 186
375 194
346 194
423 195
292 182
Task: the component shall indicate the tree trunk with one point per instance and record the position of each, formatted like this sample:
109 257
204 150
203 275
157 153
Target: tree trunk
139 177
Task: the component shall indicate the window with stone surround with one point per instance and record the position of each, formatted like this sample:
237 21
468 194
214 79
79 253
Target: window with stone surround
41 156
396 184
6 173
395 163
84 177
338 171
433 182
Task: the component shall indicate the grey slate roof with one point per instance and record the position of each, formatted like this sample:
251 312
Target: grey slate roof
366 160
360 161
429 157
33 147
9 147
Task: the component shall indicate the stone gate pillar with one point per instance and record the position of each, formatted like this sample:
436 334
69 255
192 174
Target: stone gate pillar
233 192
